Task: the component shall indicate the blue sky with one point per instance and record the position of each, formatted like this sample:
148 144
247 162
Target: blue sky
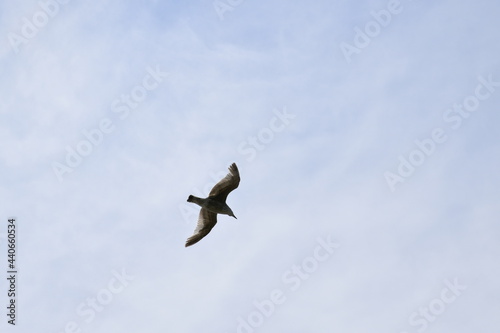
369 194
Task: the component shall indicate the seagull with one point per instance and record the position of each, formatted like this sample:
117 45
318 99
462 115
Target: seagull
214 204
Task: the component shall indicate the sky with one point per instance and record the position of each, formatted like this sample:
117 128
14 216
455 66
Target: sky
366 135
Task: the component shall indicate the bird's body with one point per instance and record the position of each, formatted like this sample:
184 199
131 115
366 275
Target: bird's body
214 204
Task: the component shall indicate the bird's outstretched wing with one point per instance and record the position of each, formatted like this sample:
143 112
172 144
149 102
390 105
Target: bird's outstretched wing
206 221
226 184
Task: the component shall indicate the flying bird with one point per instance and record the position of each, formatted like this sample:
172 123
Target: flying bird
214 204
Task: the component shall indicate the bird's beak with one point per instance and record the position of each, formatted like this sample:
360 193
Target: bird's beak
235 217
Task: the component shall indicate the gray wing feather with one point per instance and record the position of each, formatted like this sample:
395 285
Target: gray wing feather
226 184
206 221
